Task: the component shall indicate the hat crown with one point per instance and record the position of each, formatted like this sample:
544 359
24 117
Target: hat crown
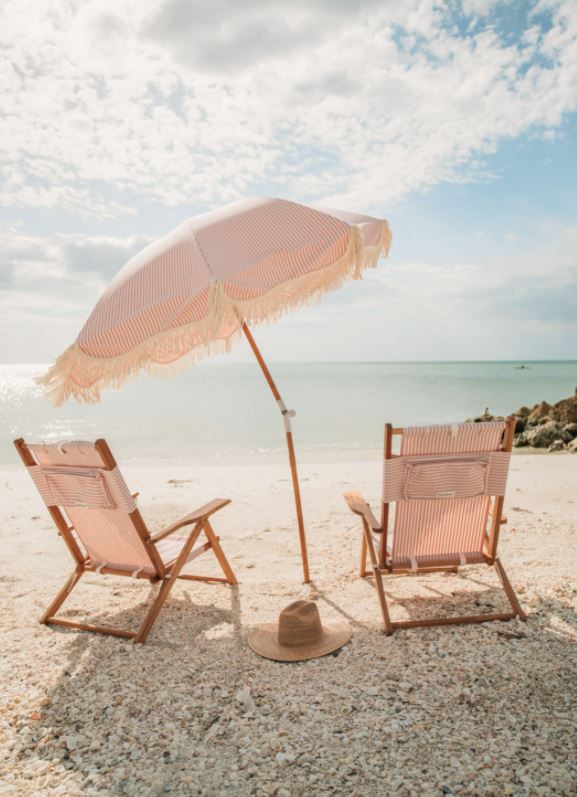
300 624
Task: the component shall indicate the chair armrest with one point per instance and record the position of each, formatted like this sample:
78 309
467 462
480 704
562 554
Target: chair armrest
359 506
199 514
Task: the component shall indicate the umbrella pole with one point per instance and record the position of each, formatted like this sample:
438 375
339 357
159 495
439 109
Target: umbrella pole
287 414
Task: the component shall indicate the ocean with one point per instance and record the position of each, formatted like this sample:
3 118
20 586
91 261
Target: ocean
219 413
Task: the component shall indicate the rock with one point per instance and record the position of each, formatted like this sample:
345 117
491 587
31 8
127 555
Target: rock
486 416
544 425
566 410
539 411
572 446
244 697
520 423
543 435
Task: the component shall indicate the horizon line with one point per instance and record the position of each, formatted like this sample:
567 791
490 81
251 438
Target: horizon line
519 360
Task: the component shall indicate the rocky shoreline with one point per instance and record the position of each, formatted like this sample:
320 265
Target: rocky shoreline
549 426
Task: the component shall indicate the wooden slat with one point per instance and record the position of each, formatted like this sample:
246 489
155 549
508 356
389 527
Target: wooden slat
403 572
168 583
359 506
469 618
63 594
385 507
219 553
509 591
98 629
499 500
202 512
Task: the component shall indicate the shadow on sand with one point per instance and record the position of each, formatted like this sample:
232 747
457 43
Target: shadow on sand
163 717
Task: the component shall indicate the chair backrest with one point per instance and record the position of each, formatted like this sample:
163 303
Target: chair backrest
80 481
441 483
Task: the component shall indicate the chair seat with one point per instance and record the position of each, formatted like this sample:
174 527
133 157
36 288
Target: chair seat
169 550
474 557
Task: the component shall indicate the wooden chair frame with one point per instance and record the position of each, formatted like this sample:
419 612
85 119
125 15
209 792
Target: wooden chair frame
381 567
165 576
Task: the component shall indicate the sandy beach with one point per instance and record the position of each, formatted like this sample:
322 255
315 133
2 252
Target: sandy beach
477 710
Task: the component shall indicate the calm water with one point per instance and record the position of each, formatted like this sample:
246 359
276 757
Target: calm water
224 413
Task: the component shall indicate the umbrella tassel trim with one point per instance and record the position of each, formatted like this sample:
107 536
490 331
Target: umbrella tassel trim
79 375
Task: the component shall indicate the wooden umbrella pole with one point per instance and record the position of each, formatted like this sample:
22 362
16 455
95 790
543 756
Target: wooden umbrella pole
287 414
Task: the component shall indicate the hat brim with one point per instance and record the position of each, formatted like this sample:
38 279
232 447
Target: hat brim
264 640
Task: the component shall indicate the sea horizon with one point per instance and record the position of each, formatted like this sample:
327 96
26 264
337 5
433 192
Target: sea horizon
223 413
217 360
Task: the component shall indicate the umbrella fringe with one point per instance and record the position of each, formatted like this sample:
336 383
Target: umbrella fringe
78 375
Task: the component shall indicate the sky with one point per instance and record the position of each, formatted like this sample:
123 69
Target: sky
455 121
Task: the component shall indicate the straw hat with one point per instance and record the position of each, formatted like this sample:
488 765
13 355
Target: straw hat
299 635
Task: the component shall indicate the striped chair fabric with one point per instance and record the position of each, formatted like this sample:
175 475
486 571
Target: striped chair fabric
98 504
441 484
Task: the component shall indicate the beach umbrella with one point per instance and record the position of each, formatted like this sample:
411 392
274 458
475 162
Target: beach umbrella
201 286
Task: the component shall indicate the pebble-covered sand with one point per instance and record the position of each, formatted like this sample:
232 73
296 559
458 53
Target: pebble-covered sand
472 710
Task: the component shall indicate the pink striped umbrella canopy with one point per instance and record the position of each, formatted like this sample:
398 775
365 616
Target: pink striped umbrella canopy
189 293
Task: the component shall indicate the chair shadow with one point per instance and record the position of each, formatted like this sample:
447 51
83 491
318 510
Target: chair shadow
117 707
455 602
106 679
491 599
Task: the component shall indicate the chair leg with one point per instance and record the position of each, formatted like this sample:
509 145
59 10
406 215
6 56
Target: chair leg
363 567
509 591
370 546
383 601
219 553
152 613
168 583
62 595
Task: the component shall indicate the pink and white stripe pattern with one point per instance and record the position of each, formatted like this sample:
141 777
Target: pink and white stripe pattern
91 488
97 502
428 530
193 289
445 476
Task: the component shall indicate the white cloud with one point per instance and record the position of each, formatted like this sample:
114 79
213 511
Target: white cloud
112 107
61 265
521 304
48 285
108 105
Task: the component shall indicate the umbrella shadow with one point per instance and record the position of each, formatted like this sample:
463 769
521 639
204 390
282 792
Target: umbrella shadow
145 719
317 593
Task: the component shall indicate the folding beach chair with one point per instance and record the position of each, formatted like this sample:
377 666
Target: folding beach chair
445 488
97 516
